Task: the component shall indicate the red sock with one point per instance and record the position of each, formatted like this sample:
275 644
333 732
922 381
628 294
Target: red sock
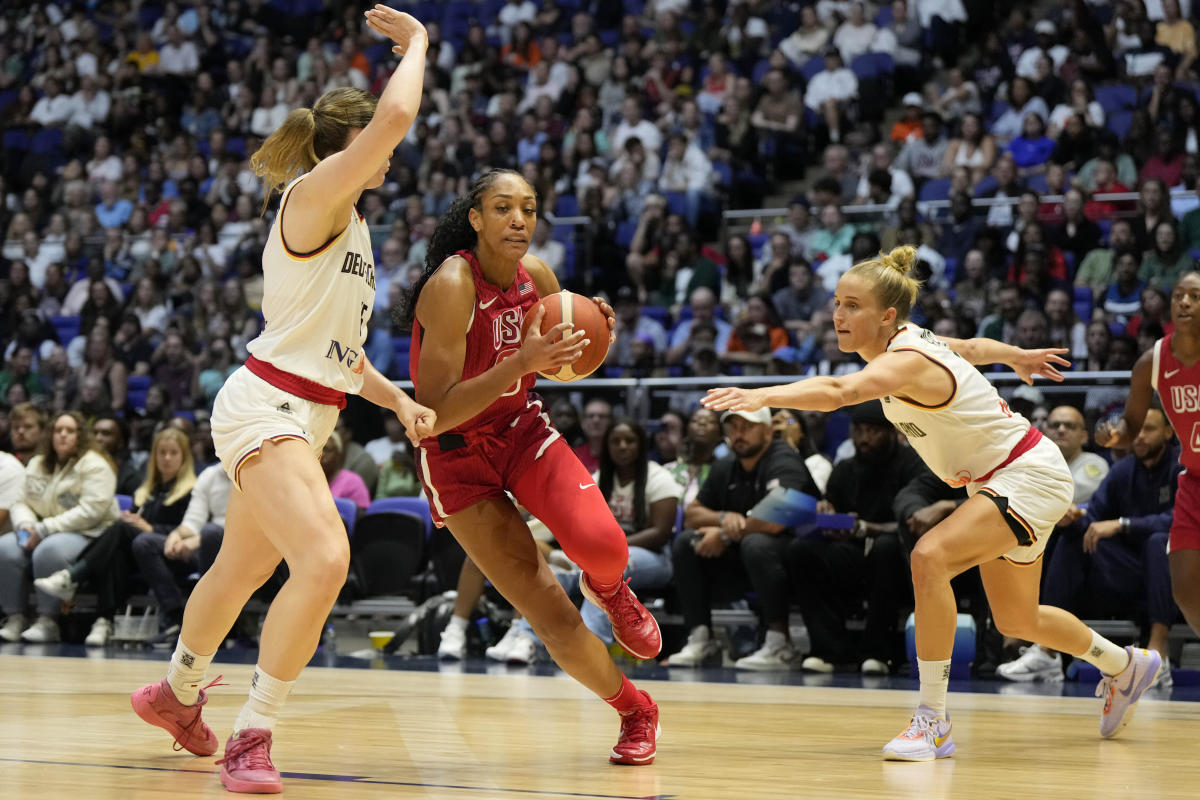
628 698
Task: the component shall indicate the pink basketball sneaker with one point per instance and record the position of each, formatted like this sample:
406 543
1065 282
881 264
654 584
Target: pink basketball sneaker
639 736
633 626
157 704
247 766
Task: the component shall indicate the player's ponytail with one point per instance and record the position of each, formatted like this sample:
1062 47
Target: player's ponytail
889 275
309 135
452 234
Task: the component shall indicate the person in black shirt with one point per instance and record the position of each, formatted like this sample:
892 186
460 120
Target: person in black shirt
833 573
722 550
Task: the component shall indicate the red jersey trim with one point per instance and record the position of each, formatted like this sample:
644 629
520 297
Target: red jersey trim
1027 443
294 384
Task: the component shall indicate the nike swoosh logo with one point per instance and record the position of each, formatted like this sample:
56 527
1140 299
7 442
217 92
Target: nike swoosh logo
1169 374
1133 682
483 305
586 485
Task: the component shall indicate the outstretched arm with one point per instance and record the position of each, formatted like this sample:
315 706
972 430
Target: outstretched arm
1026 363
1122 432
890 373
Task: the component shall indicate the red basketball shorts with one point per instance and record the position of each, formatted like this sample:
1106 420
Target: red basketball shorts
1185 526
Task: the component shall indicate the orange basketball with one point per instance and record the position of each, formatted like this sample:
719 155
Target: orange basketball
582 314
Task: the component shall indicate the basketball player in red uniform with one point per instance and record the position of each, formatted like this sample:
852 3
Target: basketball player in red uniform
493 437
1172 368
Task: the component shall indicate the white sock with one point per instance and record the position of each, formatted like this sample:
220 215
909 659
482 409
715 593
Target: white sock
1107 657
775 639
267 696
935 677
186 673
458 622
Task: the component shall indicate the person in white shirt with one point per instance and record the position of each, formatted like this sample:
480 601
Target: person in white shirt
514 13
829 89
380 450
807 40
54 109
1066 427
882 157
1046 33
178 56
90 105
686 170
632 124
12 487
270 113
548 249
855 36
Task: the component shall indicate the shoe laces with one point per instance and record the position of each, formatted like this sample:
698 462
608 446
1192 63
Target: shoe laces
624 605
187 729
251 749
919 726
1106 689
638 725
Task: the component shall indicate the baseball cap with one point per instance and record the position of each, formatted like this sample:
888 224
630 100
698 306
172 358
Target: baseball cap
761 417
1030 394
913 99
1045 26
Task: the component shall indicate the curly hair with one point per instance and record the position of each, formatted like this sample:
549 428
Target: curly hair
453 233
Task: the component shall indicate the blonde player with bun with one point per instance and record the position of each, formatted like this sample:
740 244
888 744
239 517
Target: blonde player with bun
1018 482
272 417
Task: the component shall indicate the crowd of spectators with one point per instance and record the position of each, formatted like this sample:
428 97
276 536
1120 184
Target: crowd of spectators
992 138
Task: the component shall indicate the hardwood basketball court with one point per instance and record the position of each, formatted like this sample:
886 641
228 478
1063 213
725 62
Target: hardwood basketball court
66 731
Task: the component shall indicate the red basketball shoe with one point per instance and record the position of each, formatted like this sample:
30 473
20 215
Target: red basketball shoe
247 766
639 735
633 626
157 704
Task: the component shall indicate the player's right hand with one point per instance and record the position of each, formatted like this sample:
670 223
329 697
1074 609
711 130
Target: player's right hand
546 352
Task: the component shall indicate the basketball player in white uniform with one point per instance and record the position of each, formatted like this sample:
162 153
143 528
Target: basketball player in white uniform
272 417
1018 482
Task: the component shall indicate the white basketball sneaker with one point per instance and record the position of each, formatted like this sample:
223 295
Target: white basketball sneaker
927 737
1034 664
701 647
453 646
1122 691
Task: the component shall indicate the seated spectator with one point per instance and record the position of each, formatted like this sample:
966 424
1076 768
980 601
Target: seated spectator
1008 185
1177 34
1155 310
111 435
1081 103
158 507
687 170
837 571
739 269
548 249
801 298
696 453
723 551
831 360
975 291
1115 558
1001 325
1166 164
356 458
955 237
632 124
69 499
1022 102
1096 269
343 482
631 323
1153 207
685 268
644 498
788 426
702 302
1167 261
1075 144
1066 428
27 424
856 34
172 368
922 157
882 158
1066 329
1076 234
779 119
381 449
597 416
974 149
101 366
833 238
829 90
20 371
12 488
1033 147
808 40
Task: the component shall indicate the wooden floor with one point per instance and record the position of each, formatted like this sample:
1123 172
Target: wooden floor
66 731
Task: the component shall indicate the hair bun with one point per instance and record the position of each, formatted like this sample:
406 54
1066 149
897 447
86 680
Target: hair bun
900 258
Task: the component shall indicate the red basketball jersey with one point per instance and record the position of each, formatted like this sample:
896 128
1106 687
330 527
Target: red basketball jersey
493 335
1179 389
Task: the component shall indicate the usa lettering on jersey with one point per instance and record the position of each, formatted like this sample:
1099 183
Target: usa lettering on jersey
1185 398
506 328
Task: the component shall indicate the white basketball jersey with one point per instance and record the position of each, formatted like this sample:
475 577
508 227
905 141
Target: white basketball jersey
317 305
969 435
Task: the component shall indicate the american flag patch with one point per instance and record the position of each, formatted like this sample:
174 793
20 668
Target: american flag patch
525 288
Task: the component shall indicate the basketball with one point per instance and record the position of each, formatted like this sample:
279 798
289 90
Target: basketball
583 315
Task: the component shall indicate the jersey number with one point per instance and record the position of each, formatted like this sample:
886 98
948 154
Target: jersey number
1195 438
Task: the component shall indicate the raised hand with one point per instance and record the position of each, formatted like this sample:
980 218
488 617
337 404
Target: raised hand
1044 362
401 28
